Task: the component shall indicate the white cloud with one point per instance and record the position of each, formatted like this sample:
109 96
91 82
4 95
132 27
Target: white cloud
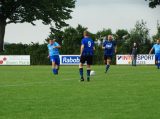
26 33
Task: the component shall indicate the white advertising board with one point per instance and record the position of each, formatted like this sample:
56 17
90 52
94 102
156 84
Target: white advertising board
142 59
14 59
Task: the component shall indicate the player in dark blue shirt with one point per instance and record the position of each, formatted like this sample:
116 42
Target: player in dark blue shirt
110 49
86 54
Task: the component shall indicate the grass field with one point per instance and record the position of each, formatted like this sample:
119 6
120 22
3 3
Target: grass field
33 92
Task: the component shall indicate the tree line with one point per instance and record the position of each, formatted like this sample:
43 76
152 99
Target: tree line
70 40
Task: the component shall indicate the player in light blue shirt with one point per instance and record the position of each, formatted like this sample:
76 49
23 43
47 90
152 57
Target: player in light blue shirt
156 48
54 55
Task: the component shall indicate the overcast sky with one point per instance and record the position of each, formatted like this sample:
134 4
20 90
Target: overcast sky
94 14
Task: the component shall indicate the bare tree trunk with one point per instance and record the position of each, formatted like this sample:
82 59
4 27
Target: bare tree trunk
2 33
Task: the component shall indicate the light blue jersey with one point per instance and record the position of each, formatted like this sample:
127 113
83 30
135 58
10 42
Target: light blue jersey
53 51
156 48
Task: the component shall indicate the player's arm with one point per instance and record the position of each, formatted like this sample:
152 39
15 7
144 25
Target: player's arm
94 48
48 51
151 51
57 45
115 47
81 49
115 50
103 46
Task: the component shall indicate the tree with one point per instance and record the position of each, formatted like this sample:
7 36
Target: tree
140 35
53 12
72 39
102 34
120 36
153 3
157 36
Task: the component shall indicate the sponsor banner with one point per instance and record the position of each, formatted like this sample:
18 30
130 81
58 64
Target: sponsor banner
69 59
14 59
142 59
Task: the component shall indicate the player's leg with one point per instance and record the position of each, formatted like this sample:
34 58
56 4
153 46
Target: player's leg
82 61
158 62
53 67
57 64
89 63
105 62
52 59
108 63
134 60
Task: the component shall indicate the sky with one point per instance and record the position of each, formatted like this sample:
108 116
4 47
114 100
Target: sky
93 14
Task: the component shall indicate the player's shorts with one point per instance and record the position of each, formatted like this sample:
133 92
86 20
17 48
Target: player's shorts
55 59
88 59
108 57
157 57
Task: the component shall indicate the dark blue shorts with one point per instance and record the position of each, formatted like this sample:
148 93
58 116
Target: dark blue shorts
108 57
88 59
157 57
55 59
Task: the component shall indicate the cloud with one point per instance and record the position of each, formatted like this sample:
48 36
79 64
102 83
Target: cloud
108 2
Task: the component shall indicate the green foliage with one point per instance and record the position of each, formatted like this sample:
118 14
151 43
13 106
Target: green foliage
120 36
103 33
70 40
19 11
157 35
153 3
37 52
53 12
140 35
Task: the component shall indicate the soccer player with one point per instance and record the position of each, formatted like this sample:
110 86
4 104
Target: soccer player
134 54
86 54
156 48
110 49
54 55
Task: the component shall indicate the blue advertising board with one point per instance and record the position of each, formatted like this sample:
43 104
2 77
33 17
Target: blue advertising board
69 59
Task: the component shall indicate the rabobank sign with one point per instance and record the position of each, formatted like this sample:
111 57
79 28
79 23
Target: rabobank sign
69 59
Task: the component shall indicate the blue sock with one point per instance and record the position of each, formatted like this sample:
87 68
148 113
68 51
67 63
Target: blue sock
158 65
81 72
56 71
53 71
88 72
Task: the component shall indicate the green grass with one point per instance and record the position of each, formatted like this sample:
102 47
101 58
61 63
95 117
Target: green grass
33 92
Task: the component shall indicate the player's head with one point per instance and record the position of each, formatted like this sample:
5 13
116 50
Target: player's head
158 41
110 37
134 44
85 33
51 41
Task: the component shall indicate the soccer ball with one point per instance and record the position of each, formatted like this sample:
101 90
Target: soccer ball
92 73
